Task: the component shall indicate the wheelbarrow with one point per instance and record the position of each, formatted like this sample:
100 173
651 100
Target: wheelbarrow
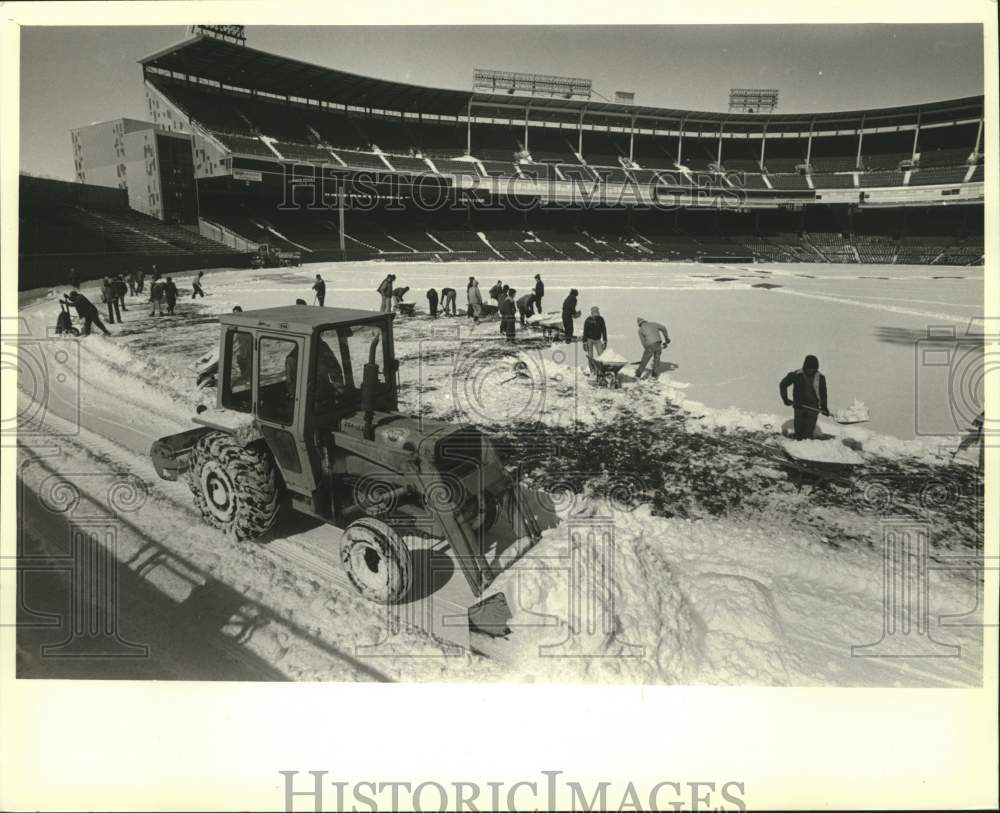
607 373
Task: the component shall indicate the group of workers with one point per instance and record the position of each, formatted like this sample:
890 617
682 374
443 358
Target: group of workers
163 292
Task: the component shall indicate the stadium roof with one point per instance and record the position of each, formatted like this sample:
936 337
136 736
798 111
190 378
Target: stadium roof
231 64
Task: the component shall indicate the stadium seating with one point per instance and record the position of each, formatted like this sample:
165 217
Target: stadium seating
496 142
361 160
741 164
934 175
698 154
611 174
747 180
66 230
407 163
537 172
945 157
837 153
875 249
792 180
439 139
885 161
833 164
500 169
550 145
604 148
783 166
946 146
576 173
305 152
448 166
209 108
245 145
869 179
838 181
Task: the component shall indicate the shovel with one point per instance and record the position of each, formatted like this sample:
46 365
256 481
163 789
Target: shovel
835 420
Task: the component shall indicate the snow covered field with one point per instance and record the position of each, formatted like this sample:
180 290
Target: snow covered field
728 567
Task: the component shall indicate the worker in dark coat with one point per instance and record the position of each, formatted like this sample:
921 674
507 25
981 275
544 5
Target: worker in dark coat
87 311
110 298
525 307
120 289
507 310
170 295
808 396
569 313
156 296
595 337
432 302
539 292
196 289
398 294
449 301
385 291
320 288
496 290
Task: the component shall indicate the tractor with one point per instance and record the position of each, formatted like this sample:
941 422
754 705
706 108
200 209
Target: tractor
306 414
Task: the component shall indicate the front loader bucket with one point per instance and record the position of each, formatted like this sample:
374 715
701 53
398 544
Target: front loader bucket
490 616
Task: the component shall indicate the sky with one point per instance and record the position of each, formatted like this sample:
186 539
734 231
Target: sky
74 76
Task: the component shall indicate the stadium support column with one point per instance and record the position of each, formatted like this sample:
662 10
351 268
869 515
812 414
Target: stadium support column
631 140
861 137
916 136
809 144
718 156
340 218
979 137
527 113
680 144
468 129
763 141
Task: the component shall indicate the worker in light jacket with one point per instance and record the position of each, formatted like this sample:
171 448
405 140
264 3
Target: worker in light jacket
475 299
808 396
652 345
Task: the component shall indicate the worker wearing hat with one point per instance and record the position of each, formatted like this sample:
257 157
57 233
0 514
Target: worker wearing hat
808 396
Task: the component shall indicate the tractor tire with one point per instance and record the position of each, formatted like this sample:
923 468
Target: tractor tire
377 561
235 487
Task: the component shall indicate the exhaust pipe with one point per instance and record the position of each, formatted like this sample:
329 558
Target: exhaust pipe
369 385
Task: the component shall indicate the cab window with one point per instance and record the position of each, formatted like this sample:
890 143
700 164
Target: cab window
238 371
277 376
341 355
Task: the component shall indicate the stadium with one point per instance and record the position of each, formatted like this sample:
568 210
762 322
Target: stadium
750 527
279 149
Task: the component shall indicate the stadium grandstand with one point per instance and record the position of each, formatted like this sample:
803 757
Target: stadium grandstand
340 166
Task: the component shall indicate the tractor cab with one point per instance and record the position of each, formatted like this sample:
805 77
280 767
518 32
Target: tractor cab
266 356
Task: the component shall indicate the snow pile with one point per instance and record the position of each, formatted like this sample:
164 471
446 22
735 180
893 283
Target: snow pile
609 356
550 318
855 413
821 451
